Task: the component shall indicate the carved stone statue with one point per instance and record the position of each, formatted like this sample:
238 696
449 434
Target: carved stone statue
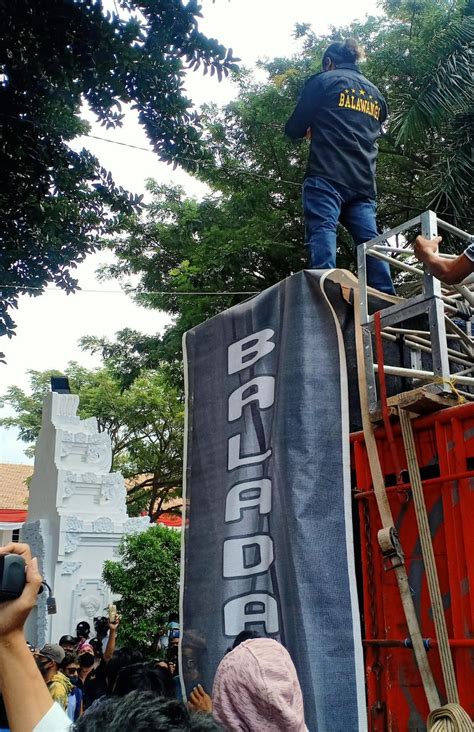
76 517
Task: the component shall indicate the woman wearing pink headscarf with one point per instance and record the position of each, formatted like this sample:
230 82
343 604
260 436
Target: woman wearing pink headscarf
256 688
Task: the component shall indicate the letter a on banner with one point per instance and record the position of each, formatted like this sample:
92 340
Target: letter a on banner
261 390
248 494
256 607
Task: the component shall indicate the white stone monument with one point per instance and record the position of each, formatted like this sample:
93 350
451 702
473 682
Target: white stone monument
76 518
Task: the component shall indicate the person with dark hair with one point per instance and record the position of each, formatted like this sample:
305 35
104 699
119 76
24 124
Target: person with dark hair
95 685
341 112
243 636
122 659
125 656
83 630
49 659
70 668
86 658
101 626
144 711
141 677
68 643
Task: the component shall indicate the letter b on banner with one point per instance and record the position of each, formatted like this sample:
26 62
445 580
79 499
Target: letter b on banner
247 351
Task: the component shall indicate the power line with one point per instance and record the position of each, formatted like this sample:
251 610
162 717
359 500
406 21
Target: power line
202 163
134 291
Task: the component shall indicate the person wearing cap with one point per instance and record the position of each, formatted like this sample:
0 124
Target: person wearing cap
48 659
68 643
85 654
450 271
341 113
83 630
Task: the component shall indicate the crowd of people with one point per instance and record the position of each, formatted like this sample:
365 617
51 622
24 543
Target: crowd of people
74 669
88 684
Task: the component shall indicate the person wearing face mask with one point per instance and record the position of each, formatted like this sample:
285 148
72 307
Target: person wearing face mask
70 668
68 643
49 659
86 660
95 685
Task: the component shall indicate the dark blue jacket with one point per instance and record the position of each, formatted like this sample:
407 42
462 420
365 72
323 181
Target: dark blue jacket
345 112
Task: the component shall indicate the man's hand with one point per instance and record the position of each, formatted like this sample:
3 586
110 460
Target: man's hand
13 613
200 701
112 639
425 248
114 624
450 271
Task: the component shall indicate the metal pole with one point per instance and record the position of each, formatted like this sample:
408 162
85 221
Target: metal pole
395 262
432 289
408 252
423 375
454 230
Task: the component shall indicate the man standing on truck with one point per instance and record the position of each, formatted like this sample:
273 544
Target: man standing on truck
341 112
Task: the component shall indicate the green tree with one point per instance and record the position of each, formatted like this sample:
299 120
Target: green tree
248 233
147 579
55 55
425 65
145 423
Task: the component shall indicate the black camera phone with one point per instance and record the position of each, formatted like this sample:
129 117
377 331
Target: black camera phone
12 576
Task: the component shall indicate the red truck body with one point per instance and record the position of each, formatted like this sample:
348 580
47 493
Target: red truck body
445 450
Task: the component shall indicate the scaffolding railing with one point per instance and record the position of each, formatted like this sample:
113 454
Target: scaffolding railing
444 306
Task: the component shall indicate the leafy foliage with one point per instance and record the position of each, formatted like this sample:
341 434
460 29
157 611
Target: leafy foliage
247 234
55 203
145 423
147 579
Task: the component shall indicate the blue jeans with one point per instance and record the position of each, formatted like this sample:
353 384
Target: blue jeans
325 204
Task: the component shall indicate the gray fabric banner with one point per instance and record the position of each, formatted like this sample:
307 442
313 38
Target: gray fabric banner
268 542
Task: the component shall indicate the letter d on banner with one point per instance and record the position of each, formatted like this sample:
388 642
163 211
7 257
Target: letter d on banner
247 555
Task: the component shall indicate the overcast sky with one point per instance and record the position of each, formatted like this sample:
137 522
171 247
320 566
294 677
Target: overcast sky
49 326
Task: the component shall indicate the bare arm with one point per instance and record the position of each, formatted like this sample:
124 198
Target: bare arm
18 670
450 271
112 639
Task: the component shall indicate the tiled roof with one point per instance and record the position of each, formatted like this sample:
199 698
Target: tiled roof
13 488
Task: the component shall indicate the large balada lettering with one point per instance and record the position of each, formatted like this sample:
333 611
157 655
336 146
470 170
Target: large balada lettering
249 494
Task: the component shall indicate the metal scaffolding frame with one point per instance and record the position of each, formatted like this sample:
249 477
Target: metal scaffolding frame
438 301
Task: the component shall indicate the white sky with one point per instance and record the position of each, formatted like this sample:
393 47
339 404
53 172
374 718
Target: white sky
49 326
